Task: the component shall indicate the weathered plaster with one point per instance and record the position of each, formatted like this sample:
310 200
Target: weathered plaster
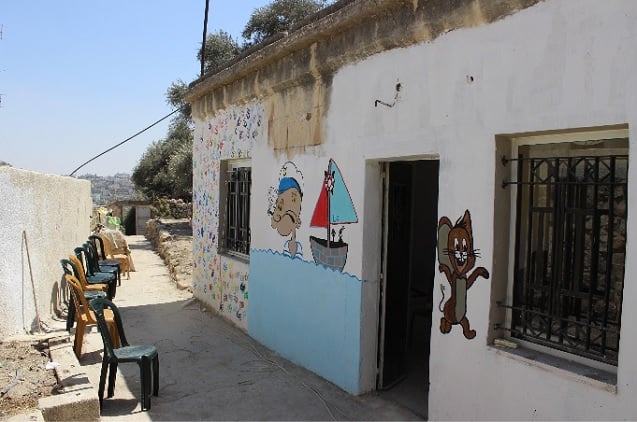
291 73
54 212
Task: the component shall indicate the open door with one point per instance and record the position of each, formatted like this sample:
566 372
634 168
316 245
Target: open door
409 261
397 262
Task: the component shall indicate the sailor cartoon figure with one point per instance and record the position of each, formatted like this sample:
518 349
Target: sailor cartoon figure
285 208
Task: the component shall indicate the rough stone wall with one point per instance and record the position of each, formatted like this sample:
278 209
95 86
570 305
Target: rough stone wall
42 218
172 239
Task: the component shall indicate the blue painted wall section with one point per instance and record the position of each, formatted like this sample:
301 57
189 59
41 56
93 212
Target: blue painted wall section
309 313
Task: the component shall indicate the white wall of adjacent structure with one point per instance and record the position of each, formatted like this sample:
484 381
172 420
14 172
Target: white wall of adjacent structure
559 65
54 212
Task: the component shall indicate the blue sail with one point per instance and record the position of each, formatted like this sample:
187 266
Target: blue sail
341 207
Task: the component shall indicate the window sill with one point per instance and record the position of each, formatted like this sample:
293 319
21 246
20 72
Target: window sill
573 370
236 256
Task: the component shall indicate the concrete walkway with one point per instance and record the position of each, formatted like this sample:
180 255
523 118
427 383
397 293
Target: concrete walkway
209 369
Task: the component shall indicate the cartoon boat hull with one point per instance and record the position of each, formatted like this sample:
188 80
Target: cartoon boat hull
333 256
333 206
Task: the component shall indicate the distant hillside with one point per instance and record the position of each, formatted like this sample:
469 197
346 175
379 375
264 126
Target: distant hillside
107 189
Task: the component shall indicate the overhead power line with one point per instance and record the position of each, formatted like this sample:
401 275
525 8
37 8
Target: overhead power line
127 139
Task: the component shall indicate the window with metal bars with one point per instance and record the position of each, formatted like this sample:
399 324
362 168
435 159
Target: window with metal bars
570 249
236 227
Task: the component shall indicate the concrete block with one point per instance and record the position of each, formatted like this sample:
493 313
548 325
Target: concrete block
74 406
78 399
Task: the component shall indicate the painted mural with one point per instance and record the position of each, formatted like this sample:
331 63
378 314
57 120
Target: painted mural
334 206
230 135
285 207
315 307
234 289
457 257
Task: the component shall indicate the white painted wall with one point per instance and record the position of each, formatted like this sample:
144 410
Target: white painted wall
54 212
560 64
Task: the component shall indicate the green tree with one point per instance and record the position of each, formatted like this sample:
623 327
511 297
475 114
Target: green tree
220 49
165 169
155 175
278 16
175 96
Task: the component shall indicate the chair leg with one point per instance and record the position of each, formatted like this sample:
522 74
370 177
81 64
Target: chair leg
79 339
70 315
100 391
144 367
147 381
112 289
156 375
111 379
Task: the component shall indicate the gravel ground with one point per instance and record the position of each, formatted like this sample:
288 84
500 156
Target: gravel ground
23 375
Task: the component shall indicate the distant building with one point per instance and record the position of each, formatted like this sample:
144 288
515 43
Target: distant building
106 189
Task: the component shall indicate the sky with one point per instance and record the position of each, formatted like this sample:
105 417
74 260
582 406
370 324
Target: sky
78 77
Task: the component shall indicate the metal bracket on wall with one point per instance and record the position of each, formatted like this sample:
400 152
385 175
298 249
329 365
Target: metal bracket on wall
390 105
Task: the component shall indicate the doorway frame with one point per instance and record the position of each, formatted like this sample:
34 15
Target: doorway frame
372 268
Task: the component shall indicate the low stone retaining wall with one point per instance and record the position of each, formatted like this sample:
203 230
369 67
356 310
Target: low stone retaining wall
172 239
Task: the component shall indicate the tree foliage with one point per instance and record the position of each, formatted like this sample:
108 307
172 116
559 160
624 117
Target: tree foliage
176 97
220 49
160 171
278 16
165 169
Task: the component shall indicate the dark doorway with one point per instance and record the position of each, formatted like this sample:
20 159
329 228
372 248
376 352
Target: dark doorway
130 217
410 231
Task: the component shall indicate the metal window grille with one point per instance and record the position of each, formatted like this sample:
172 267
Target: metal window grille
237 227
570 253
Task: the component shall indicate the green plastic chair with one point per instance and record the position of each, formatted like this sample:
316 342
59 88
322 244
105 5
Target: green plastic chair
146 356
99 255
96 266
90 292
108 277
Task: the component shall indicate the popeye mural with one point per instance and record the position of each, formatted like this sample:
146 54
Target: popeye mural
285 207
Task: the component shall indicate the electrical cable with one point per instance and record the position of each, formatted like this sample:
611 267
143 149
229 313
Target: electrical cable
128 139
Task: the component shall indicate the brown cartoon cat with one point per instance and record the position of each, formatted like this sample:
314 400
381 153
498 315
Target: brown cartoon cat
457 257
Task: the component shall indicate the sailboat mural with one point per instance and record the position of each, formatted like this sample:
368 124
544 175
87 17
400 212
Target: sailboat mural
334 206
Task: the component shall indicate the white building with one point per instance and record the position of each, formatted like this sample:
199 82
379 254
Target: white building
519 112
